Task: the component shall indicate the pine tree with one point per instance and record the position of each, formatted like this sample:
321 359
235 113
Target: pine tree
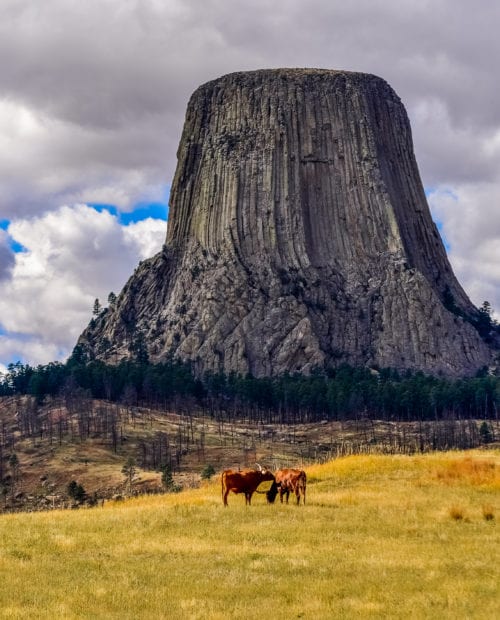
129 470
207 472
168 480
485 433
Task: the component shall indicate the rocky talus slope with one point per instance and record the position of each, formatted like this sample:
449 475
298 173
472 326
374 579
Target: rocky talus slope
299 236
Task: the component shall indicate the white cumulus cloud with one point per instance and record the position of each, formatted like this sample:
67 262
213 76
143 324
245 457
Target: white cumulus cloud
71 256
472 229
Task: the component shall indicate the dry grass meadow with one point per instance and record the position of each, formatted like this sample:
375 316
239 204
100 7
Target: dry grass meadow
380 537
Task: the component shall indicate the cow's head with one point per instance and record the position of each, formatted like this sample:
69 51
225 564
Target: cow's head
267 474
271 494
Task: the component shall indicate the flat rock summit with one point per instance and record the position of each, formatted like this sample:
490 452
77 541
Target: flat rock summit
299 237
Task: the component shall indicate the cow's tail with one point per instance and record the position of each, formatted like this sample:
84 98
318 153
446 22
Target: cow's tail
304 484
223 483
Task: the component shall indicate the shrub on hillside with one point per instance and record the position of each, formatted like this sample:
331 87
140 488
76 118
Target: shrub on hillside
168 482
76 491
207 472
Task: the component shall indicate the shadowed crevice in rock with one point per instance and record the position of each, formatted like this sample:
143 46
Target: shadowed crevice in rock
299 237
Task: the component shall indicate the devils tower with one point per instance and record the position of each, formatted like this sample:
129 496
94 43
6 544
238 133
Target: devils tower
299 237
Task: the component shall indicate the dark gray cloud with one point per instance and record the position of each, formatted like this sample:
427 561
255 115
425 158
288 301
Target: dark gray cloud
109 80
93 96
6 256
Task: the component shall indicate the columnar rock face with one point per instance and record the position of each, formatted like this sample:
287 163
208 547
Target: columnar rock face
299 237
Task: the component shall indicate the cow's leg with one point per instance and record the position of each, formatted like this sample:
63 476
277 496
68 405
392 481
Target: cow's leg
281 494
225 497
287 494
248 498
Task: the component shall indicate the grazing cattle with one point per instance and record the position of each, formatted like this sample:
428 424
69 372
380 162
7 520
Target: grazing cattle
291 481
245 481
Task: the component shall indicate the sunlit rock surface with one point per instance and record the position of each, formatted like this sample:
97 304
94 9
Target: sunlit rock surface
299 237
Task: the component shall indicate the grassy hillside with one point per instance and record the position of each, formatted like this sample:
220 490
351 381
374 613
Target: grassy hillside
380 536
89 441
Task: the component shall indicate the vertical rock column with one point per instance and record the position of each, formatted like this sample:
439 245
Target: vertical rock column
299 237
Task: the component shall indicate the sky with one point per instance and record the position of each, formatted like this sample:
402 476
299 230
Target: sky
92 101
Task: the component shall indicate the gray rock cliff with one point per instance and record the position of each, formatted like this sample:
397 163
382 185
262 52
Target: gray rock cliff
299 236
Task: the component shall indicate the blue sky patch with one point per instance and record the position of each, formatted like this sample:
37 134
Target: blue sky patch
141 211
428 193
443 236
15 246
445 191
155 210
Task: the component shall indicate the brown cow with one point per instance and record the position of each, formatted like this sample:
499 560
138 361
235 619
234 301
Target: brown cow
245 481
291 480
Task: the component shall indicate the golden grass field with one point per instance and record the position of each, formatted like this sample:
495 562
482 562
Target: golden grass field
379 537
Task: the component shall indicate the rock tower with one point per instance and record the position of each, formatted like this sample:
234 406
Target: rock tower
299 237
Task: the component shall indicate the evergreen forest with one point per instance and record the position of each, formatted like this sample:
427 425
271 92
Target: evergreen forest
340 394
